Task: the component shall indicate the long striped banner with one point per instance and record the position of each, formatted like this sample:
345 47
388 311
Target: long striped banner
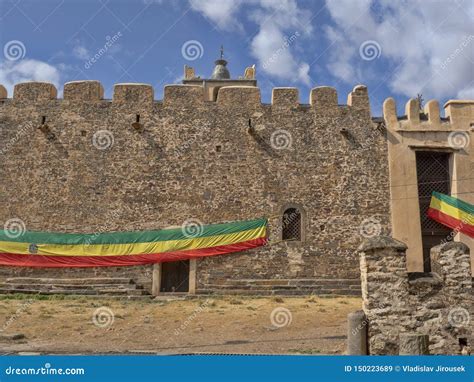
51 250
452 212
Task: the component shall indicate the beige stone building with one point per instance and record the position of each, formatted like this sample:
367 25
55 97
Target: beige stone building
428 152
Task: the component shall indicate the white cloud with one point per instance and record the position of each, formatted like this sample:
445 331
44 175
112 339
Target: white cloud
282 25
80 52
14 72
219 12
428 45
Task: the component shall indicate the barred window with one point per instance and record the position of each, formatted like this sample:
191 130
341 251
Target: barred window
291 224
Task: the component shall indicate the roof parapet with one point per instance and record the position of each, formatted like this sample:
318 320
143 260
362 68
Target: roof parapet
242 96
359 98
83 91
412 110
183 95
285 97
133 93
460 112
323 97
431 109
34 91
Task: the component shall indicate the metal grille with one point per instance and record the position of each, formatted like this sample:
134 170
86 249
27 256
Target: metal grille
433 175
291 224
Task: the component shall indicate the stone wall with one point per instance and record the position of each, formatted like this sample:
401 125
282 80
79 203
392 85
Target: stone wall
439 304
134 163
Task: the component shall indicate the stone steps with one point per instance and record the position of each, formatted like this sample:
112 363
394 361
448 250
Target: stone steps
76 281
100 286
317 286
74 286
106 292
267 292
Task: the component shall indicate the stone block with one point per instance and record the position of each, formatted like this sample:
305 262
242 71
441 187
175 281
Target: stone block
83 91
34 92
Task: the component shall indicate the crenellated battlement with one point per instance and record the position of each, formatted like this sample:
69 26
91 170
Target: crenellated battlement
459 115
322 99
83 91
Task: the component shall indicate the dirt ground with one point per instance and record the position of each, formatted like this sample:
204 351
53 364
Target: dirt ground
274 325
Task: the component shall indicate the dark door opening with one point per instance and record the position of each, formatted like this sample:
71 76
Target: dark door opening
432 170
175 276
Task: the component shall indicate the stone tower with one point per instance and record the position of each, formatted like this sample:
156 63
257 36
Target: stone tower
220 77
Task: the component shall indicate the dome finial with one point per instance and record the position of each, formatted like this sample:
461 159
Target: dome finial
220 70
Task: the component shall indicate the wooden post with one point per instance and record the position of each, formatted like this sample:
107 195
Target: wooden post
192 276
156 280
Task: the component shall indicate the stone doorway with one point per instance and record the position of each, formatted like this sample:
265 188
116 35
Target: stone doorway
175 276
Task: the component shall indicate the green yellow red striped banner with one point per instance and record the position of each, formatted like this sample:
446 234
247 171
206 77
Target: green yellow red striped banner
43 249
452 212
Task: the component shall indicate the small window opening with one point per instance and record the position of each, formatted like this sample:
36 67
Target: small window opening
43 120
291 225
464 346
218 148
137 118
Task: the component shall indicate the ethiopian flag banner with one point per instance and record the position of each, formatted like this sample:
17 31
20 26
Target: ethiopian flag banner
452 212
43 249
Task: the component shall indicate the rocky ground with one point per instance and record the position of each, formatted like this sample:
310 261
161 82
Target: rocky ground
303 325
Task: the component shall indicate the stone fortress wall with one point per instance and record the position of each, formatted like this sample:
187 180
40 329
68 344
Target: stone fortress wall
87 164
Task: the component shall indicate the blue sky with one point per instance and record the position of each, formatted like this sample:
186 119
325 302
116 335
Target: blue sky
396 48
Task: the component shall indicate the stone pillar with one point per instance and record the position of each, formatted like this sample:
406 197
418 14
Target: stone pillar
452 261
156 280
357 333
385 297
414 344
192 276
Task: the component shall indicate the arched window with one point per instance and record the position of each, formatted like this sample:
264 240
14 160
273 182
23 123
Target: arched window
291 224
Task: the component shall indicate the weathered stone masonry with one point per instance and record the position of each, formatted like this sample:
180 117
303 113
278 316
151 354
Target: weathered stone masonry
195 159
439 304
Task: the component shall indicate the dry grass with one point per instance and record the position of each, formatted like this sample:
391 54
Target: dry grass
216 325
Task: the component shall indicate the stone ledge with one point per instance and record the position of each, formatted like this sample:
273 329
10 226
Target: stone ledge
381 242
